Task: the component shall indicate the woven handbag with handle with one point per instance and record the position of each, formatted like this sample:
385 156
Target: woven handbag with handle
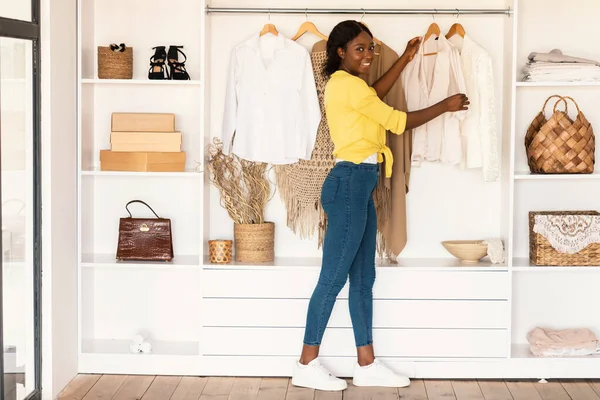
560 145
144 239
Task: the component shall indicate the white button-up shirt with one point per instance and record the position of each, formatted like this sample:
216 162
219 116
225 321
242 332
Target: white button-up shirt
426 81
271 106
478 129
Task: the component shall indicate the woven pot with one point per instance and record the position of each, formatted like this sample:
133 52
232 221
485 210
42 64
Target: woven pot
115 65
220 251
560 145
254 243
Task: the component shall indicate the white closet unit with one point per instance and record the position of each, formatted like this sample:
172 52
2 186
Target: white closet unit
434 317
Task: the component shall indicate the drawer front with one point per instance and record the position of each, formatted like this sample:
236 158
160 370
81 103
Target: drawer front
291 313
339 342
391 283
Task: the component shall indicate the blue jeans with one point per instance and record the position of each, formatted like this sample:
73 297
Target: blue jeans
348 251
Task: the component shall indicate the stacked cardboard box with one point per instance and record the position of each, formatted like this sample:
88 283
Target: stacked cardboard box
144 142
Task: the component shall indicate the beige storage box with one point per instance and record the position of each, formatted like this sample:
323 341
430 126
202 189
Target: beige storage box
142 161
166 142
142 122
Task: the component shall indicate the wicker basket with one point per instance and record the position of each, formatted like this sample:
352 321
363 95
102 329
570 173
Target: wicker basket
220 251
560 145
541 251
115 65
254 243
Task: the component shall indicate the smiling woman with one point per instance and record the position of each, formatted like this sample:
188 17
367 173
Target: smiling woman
358 120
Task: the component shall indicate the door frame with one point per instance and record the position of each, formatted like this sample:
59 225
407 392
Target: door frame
30 30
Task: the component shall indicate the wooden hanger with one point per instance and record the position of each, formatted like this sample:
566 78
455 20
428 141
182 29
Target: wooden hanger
434 29
269 28
456 29
308 27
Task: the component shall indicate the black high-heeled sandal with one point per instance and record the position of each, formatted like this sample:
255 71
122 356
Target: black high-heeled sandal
178 71
157 64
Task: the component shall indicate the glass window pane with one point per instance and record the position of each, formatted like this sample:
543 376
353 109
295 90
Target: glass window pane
16 9
16 162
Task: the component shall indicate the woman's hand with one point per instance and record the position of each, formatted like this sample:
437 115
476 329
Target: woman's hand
411 48
458 102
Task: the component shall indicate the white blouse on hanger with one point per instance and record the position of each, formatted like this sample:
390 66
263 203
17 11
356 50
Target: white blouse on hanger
271 106
478 129
426 81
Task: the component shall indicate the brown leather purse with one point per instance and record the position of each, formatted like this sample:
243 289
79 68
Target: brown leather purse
144 239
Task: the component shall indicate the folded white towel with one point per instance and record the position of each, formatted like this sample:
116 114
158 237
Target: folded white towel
495 250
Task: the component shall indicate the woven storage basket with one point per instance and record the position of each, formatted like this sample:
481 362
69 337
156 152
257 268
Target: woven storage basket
541 251
559 145
254 242
220 251
115 65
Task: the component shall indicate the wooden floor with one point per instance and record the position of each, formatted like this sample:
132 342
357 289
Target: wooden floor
123 387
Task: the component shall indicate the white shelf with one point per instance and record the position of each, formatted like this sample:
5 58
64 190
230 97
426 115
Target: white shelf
108 260
407 264
521 350
140 82
557 84
526 175
166 348
524 265
186 174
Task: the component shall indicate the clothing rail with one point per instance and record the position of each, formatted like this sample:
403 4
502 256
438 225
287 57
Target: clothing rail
361 11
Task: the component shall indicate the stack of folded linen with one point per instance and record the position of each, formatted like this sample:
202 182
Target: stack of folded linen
555 66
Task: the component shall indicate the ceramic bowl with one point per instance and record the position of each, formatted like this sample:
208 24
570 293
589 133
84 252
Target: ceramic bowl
469 251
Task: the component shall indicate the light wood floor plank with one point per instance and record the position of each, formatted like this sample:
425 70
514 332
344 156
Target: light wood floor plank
595 385
217 388
78 387
106 387
245 389
552 390
320 395
370 393
579 390
162 388
439 390
299 393
134 387
523 390
467 390
273 389
416 391
189 388
494 390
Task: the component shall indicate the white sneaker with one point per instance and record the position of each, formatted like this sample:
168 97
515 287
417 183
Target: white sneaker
377 374
316 376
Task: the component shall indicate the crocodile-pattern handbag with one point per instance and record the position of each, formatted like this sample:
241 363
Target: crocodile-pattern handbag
144 239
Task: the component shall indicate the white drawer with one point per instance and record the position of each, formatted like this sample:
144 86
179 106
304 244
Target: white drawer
339 342
391 283
386 313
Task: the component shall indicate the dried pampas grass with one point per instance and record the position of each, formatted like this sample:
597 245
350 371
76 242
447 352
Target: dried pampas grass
244 186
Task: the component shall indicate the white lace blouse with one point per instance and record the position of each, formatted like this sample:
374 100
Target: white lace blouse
478 129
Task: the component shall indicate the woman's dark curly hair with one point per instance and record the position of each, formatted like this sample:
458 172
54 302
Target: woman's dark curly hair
342 34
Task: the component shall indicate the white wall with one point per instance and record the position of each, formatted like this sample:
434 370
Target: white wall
444 202
59 201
